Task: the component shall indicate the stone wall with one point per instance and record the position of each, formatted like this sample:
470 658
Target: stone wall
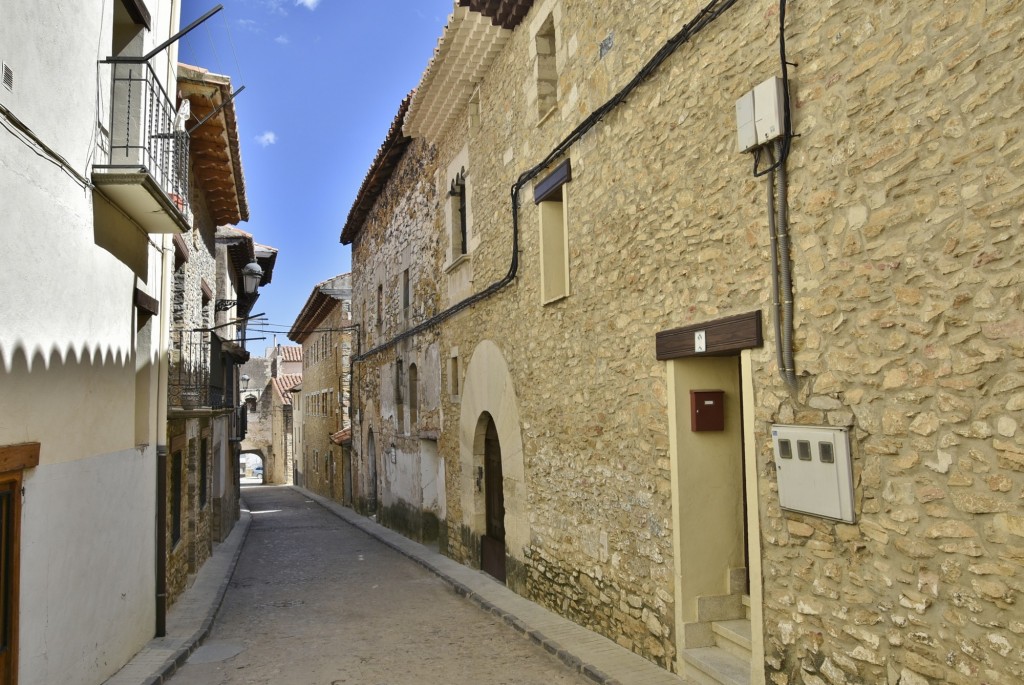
399 235
905 200
325 355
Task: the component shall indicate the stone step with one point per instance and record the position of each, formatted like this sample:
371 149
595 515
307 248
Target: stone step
718 608
745 601
715 666
733 636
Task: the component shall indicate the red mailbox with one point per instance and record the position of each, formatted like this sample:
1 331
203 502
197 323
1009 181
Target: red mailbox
707 410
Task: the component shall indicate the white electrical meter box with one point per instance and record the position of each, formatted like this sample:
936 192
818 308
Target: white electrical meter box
746 134
768 109
815 472
759 114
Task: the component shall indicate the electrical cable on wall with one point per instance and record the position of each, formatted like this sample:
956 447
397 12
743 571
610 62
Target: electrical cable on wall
778 222
787 120
704 17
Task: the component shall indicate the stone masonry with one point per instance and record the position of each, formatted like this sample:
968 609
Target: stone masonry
906 202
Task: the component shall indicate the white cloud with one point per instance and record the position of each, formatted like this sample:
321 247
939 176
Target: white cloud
308 4
266 138
274 7
282 40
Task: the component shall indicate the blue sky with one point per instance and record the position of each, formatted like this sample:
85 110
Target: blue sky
323 81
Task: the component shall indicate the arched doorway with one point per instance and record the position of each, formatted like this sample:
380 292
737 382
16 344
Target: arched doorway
492 543
371 457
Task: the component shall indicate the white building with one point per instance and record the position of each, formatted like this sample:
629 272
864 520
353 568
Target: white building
93 184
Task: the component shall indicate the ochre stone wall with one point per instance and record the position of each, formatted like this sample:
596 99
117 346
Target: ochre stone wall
906 199
325 363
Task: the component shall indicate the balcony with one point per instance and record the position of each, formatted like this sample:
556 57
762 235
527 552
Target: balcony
148 167
193 382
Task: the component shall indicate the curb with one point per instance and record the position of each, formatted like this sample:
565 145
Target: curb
188 645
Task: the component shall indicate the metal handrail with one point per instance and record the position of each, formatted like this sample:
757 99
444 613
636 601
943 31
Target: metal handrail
189 370
143 131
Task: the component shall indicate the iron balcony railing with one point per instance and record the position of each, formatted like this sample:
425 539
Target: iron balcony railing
145 131
192 381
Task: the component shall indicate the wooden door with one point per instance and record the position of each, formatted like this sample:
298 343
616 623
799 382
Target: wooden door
10 485
492 544
346 475
14 459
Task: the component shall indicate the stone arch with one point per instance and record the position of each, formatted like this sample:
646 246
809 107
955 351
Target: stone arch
367 465
488 388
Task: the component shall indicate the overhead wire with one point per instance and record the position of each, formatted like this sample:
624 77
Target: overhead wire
787 119
704 17
234 53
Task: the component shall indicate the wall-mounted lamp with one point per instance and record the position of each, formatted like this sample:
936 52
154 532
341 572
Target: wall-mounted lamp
252 273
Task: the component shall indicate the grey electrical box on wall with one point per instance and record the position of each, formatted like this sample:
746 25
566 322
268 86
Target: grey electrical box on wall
815 472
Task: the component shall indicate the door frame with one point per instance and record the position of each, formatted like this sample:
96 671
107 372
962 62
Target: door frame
14 459
492 547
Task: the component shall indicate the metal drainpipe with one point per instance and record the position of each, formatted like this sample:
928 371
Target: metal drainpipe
774 242
163 363
785 272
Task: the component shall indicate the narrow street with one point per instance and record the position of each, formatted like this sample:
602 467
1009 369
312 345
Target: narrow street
314 601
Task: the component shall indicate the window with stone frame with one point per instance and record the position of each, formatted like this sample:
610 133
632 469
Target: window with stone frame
453 374
552 210
399 403
546 68
413 396
458 215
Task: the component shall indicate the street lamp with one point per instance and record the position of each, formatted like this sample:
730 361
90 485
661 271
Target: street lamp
252 273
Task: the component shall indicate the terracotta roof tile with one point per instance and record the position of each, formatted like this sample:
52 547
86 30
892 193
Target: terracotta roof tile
291 353
282 384
504 13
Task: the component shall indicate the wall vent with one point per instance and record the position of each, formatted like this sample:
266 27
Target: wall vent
8 78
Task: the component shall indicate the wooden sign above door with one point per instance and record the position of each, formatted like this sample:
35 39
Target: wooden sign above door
711 338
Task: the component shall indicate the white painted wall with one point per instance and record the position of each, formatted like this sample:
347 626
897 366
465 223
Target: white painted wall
88 578
69 356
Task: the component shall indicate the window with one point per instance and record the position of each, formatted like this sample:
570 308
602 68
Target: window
457 216
380 306
413 396
176 467
405 294
550 197
453 374
203 483
399 408
546 68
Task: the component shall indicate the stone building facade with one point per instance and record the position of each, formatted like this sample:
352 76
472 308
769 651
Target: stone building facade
205 419
324 329
279 464
256 396
561 336
399 471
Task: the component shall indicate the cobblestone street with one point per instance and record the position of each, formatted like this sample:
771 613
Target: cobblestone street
314 601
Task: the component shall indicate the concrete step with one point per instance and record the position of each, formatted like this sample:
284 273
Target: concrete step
733 636
745 601
715 666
